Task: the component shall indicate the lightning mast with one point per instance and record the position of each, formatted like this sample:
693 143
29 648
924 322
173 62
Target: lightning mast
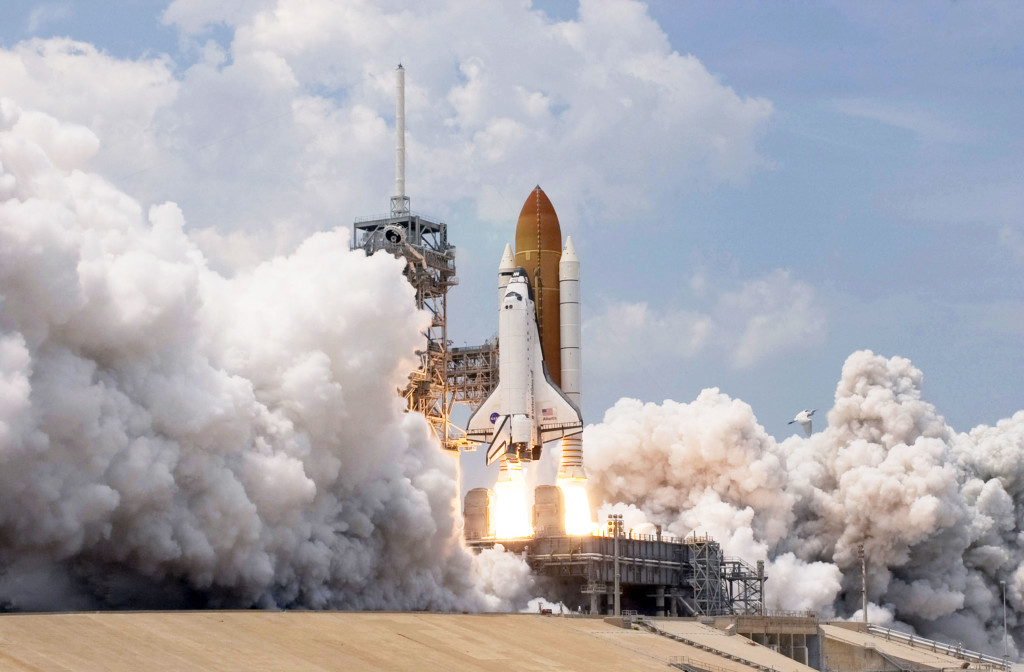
399 202
430 269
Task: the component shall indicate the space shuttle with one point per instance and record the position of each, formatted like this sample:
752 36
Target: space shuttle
526 409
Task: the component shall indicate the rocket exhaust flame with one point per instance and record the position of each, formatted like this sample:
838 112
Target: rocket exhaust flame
511 512
577 507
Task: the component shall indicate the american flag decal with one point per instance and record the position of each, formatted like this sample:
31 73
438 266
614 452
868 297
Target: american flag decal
547 413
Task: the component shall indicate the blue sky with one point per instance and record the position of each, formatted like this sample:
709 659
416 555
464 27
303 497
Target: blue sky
756 190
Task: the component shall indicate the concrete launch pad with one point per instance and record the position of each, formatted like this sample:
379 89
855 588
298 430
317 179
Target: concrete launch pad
320 641
317 641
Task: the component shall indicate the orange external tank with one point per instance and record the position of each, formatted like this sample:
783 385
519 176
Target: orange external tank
538 250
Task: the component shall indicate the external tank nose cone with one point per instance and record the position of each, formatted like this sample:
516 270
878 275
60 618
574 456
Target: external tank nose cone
537 229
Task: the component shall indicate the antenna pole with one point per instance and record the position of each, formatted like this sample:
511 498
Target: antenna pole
399 202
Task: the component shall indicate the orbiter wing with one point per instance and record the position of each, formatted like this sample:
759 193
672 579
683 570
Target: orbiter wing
481 425
555 414
489 425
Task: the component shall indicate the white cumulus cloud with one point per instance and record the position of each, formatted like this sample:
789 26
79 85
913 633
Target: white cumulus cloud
760 319
298 108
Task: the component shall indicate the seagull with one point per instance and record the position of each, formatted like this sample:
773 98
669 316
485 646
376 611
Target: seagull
804 418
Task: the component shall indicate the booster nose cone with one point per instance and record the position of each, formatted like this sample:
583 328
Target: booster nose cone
505 268
508 262
569 264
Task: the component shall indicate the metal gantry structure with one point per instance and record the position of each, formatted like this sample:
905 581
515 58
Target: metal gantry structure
722 585
744 586
657 575
472 372
704 575
430 269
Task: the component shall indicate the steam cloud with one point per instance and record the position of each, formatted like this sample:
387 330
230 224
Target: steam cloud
169 436
940 514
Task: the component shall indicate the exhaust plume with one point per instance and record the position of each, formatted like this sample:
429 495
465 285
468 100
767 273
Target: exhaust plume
939 513
172 437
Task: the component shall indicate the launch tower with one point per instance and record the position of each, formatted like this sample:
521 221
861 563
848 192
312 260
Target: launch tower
430 269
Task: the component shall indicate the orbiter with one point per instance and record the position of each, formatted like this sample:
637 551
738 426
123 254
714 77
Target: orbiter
527 408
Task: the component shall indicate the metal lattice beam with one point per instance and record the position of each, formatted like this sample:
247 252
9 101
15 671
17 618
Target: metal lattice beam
692 573
473 372
430 269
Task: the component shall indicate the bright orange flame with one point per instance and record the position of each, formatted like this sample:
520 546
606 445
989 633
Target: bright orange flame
577 507
511 512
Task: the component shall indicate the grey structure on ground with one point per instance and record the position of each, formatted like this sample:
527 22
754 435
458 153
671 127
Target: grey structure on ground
659 575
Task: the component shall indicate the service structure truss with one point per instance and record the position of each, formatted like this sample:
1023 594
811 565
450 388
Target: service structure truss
430 269
473 372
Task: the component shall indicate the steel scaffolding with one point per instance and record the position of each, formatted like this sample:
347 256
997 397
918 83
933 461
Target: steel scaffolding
691 574
473 372
430 269
704 575
743 584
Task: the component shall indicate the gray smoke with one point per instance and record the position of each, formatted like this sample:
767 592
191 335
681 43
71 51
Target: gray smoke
172 437
940 514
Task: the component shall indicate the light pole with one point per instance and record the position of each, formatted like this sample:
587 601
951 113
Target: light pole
615 522
1005 650
863 582
760 578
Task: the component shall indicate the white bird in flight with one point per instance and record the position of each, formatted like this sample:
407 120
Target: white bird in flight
804 418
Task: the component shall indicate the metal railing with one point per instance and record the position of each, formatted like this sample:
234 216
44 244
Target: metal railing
783 613
916 641
389 216
691 665
636 536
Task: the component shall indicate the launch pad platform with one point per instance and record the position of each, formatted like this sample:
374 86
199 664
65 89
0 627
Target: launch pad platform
658 575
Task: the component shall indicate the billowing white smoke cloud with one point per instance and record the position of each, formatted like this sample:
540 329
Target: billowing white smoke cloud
171 437
539 605
713 469
940 514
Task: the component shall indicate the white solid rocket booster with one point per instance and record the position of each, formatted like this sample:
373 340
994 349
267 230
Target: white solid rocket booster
571 337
